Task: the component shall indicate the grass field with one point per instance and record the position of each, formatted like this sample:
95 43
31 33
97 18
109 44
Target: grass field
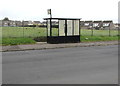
99 32
23 32
20 35
98 38
37 32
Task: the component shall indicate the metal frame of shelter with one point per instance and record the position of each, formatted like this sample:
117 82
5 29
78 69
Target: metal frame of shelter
68 30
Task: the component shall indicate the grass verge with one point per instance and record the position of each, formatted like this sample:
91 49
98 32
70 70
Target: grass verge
98 38
17 41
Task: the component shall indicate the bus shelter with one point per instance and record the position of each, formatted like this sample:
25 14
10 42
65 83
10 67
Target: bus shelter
63 30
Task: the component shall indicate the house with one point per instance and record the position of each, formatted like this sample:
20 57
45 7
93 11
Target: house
12 23
0 23
117 26
54 22
97 25
87 24
108 25
5 23
30 23
81 23
18 23
44 23
25 23
36 22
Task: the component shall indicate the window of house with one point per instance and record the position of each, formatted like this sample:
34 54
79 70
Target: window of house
86 24
106 24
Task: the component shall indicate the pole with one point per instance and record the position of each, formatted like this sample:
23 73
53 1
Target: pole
91 27
23 27
50 28
80 29
109 30
92 31
49 13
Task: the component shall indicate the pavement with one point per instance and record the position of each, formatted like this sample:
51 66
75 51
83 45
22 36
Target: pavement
44 45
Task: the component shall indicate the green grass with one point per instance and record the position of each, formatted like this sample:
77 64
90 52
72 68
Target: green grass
23 32
20 35
38 32
98 38
85 32
17 41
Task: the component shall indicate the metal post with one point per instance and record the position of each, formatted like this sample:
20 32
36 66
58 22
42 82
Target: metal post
65 27
79 27
46 27
50 27
92 31
80 30
72 27
23 27
50 15
58 28
109 30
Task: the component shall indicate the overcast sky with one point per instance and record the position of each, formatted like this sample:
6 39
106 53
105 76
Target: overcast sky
37 9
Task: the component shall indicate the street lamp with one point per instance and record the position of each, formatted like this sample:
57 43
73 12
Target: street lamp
49 13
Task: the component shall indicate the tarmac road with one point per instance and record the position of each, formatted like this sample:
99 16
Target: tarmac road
79 65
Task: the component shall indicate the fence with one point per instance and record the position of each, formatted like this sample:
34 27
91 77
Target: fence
93 32
37 29
23 31
41 31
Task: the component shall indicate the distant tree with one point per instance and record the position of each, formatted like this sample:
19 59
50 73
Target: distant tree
6 19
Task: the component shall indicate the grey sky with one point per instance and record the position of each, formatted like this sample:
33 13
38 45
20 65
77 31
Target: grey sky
37 9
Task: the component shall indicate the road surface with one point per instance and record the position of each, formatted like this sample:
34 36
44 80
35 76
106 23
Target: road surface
78 65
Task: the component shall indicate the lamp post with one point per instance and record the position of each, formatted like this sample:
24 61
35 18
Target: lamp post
49 13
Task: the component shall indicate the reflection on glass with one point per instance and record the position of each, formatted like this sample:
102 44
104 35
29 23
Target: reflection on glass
48 27
69 27
54 31
54 28
61 27
76 27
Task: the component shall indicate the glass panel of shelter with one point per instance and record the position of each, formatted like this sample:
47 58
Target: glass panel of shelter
76 27
72 27
54 27
48 27
59 28
69 27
